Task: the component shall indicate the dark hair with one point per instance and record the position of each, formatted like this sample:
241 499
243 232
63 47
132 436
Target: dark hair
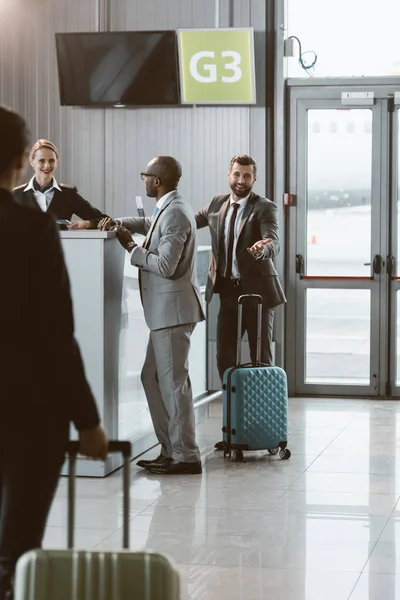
244 160
42 144
14 136
169 170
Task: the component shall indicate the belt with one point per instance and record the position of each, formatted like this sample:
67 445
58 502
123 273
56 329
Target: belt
233 282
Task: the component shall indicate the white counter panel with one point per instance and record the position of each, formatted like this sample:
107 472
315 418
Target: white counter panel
113 336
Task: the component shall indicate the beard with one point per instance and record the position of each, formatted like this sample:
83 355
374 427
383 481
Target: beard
150 192
241 192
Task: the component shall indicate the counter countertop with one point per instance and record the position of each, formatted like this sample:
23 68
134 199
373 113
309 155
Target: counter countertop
88 234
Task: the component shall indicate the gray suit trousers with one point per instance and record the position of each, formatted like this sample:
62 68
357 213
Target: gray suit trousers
166 382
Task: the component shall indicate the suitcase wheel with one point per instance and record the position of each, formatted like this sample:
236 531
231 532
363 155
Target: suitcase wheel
273 451
285 454
237 455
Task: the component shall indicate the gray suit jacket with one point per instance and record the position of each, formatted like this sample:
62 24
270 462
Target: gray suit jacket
167 265
259 221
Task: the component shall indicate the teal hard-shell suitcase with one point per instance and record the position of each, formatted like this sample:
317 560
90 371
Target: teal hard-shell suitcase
255 402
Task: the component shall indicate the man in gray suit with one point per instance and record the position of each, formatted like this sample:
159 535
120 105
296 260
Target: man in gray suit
245 240
172 307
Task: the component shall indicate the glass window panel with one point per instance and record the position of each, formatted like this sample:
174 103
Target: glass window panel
339 193
338 336
350 38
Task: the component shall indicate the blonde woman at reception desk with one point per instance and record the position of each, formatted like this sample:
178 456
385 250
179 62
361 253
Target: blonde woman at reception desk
43 192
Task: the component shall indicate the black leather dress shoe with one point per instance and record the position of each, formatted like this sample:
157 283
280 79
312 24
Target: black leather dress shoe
176 468
220 445
160 460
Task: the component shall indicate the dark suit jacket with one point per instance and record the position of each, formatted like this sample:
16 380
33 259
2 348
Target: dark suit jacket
42 375
64 204
259 221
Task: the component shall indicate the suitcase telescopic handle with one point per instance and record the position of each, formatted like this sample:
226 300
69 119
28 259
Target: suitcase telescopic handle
239 326
73 448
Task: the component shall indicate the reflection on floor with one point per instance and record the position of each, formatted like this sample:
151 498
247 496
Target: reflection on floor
325 524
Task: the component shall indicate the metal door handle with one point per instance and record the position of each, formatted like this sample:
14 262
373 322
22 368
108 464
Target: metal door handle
377 264
300 264
390 265
375 382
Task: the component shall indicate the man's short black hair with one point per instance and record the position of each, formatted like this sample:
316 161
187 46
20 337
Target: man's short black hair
244 160
169 170
14 136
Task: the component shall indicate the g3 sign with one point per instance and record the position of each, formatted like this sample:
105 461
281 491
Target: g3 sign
217 66
212 68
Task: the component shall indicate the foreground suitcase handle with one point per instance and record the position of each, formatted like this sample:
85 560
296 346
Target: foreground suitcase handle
125 448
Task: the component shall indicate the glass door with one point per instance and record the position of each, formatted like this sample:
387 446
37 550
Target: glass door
343 323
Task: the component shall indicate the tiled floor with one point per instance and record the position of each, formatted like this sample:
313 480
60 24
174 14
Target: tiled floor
324 524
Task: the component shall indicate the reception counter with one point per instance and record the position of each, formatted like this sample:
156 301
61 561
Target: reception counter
112 334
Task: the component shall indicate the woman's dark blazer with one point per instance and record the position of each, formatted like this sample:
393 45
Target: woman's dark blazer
64 204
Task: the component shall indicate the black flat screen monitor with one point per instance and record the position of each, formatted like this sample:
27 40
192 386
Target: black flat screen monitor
131 68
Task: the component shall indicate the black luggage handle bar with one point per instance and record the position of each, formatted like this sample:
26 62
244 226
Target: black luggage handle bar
73 448
259 298
239 326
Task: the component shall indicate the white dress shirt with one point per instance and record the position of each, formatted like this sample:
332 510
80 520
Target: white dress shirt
43 199
163 199
242 204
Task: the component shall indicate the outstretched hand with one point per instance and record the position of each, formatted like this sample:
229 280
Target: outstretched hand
257 248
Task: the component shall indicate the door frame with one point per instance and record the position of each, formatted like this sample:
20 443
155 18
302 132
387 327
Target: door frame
326 93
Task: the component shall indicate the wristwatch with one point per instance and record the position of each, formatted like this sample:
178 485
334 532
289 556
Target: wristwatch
130 246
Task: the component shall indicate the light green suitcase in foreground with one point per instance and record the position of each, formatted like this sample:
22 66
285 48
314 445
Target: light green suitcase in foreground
81 575
96 575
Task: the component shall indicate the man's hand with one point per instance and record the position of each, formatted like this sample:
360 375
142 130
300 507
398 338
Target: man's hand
258 247
80 225
124 236
107 224
94 443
